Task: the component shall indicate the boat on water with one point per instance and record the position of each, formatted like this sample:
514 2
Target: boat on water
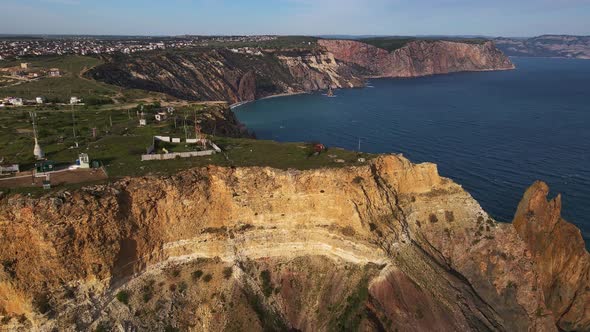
330 92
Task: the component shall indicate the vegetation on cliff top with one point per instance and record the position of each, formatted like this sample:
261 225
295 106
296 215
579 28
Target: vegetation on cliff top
120 142
393 43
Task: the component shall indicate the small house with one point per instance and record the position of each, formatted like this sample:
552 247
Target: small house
54 72
161 116
46 184
40 100
75 100
83 160
142 122
6 169
25 65
16 101
45 166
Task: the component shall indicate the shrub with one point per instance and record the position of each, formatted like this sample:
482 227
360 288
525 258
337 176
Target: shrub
182 287
266 283
208 277
170 328
348 231
227 272
97 101
449 216
123 297
101 327
42 303
433 219
197 275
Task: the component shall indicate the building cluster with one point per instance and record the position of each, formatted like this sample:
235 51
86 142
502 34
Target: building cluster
13 48
247 50
17 101
25 71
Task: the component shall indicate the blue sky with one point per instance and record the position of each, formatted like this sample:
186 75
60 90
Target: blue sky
308 17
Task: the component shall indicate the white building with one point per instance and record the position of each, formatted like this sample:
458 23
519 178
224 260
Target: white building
83 160
9 169
161 116
40 100
75 100
16 101
54 72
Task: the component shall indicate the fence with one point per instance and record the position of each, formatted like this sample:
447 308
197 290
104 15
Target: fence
168 156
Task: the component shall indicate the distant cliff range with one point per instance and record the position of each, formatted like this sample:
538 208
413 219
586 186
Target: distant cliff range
554 46
234 76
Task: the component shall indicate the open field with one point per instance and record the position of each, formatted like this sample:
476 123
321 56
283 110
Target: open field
71 83
119 146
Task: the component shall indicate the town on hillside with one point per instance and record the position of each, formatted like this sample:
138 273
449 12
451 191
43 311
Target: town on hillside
14 47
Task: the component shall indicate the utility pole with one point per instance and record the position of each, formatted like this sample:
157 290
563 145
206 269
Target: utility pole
359 147
74 125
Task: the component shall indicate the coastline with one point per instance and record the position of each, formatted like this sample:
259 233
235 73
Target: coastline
236 105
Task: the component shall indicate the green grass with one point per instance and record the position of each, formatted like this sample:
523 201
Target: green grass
119 148
393 43
69 63
280 43
71 83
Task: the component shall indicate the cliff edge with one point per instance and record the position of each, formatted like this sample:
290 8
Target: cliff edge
263 249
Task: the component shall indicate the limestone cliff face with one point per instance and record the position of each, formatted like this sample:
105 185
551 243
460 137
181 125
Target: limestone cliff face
419 58
223 75
559 252
259 248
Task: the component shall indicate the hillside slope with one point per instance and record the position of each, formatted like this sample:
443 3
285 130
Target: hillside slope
221 74
235 76
263 249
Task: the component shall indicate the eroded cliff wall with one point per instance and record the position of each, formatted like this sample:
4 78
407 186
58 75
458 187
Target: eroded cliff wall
223 75
420 58
218 248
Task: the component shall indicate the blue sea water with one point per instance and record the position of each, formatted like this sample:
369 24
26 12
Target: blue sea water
495 133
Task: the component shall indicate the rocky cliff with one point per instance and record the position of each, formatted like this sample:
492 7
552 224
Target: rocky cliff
560 256
225 75
234 76
384 247
420 58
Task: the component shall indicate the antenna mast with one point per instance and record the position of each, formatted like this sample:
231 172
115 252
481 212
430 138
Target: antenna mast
37 151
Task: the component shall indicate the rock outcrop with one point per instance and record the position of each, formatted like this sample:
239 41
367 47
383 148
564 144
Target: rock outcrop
560 255
222 75
420 58
386 246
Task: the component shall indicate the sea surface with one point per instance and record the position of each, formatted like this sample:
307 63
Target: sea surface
495 133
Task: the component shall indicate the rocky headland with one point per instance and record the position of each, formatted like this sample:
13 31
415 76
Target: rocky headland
387 246
420 58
